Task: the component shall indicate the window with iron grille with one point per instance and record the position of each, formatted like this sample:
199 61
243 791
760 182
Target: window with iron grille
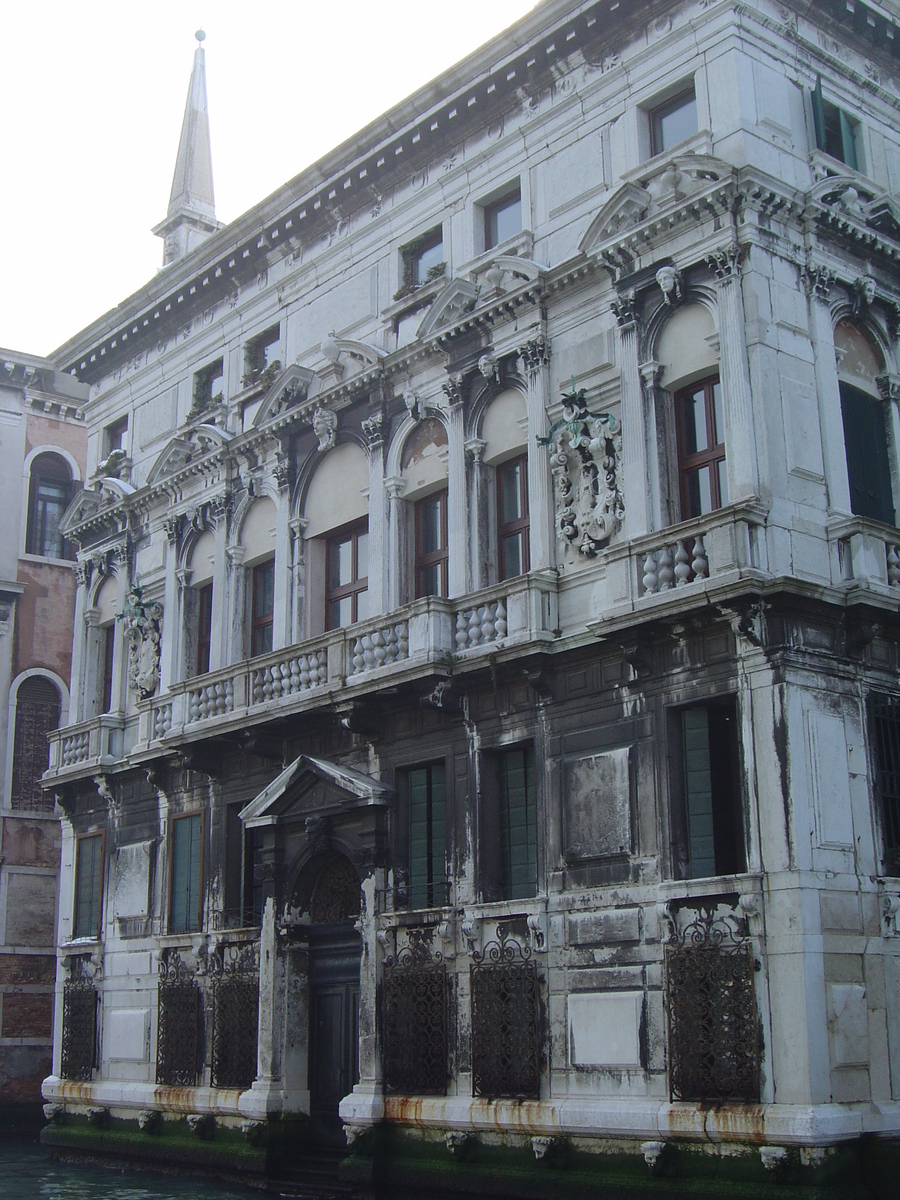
79 1031
415 1019
37 713
506 1023
88 885
884 733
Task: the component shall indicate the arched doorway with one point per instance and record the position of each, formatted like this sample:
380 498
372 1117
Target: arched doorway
334 954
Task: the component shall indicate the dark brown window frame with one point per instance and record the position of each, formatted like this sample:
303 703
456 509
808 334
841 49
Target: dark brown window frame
170 867
204 601
357 585
30 747
711 457
108 658
512 196
660 111
521 525
79 838
440 557
261 621
114 435
47 469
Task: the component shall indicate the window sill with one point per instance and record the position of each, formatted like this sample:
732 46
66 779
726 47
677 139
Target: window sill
749 883
521 245
47 561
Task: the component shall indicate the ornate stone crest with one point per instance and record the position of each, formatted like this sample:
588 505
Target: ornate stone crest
142 621
585 459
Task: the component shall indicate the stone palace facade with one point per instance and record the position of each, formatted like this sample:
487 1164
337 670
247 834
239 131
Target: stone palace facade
485 737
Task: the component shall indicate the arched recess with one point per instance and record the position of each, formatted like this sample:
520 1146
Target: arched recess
254 577
335 520
327 889
683 376
869 422
38 704
102 634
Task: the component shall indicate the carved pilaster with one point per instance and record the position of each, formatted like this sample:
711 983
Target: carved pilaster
454 388
818 281
281 471
889 387
626 310
535 354
725 264
219 508
83 572
172 528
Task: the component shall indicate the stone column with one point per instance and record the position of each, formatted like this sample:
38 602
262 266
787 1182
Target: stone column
479 539
218 647
78 690
634 433
236 644
173 609
393 490
535 356
281 615
740 439
379 567
663 475
119 692
456 488
889 389
818 281
298 574
265 1095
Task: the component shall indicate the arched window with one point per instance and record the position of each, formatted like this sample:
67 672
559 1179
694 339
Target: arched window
258 540
423 469
49 493
865 430
504 434
37 713
198 606
337 540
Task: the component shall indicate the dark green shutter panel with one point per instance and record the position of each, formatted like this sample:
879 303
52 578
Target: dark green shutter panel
186 875
868 467
848 141
88 886
427 824
518 828
818 106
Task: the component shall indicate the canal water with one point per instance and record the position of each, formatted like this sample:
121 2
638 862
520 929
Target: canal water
26 1173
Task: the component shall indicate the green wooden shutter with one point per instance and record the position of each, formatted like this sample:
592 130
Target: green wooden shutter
518 825
88 885
698 792
848 141
868 467
427 835
185 910
818 107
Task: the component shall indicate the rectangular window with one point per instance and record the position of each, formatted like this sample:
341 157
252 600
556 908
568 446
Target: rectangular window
423 259
518 824
347 577
432 554
185 866
261 353
835 131
209 386
673 122
204 599
707 816
88 885
262 611
503 218
512 517
427 836
114 436
107 653
868 466
701 448
243 890
884 732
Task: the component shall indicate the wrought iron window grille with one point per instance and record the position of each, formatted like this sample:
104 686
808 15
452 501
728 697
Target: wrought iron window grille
415 1019
79 1036
711 1010
178 1023
235 993
507 1038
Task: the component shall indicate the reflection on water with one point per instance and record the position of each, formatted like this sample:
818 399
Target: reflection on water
26 1173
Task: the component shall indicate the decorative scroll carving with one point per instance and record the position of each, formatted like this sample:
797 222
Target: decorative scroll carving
626 310
506 1022
178 1023
235 990
142 619
818 280
336 895
415 1019
79 1035
373 430
713 1044
585 459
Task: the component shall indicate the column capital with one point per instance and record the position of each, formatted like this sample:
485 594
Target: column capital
626 310
651 373
817 280
236 554
535 354
889 387
394 486
725 263
454 388
475 448
373 430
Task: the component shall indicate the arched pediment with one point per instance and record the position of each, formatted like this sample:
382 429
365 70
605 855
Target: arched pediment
677 184
84 506
202 440
291 387
451 302
850 198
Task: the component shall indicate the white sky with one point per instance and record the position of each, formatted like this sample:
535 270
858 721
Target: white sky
91 100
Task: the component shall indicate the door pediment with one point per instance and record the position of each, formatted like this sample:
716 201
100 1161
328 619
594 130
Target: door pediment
311 786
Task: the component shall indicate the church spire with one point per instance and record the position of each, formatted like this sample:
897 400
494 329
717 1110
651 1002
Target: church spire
192 208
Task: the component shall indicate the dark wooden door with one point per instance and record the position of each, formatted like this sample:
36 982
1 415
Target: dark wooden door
334 952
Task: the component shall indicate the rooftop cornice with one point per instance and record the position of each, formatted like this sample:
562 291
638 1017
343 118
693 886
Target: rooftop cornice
498 76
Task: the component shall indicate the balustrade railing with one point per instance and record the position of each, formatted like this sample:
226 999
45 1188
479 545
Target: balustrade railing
379 647
675 564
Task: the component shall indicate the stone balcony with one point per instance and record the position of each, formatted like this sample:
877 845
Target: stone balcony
429 636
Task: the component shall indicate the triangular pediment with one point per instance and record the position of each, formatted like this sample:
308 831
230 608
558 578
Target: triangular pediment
291 387
298 792
848 198
452 302
202 440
